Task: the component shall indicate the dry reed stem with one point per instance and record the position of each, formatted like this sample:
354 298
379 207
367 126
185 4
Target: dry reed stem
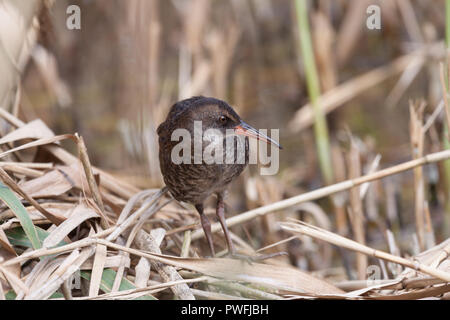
24 171
142 219
186 244
151 202
145 241
29 165
417 142
131 235
323 37
109 182
128 294
16 43
2 294
430 240
327 236
45 252
82 152
410 20
433 291
15 282
50 277
245 290
215 295
121 220
350 30
356 210
325 191
348 90
78 215
405 80
400 283
434 115
54 218
111 234
64 272
66 289
339 200
97 270
143 269
4 242
373 167
124 256
444 93
269 277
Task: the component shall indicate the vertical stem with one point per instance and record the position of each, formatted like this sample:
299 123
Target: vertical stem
312 81
445 133
447 22
446 165
417 140
356 213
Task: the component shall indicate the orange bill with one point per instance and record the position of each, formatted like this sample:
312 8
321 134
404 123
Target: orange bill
245 129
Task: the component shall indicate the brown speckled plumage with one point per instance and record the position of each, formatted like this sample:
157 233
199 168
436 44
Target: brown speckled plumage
194 183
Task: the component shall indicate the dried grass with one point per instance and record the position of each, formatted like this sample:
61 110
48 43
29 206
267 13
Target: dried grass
81 243
64 220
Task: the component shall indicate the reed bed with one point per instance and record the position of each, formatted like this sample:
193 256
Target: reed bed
353 219
67 219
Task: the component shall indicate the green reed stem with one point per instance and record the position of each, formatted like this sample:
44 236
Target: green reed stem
312 82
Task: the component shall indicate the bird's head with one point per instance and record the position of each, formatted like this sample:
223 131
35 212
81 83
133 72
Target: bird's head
213 114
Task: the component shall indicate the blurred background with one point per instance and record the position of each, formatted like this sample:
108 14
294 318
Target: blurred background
114 80
132 60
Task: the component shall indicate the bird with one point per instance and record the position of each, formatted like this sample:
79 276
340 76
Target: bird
194 180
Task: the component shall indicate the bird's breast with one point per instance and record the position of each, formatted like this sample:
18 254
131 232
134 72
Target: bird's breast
222 160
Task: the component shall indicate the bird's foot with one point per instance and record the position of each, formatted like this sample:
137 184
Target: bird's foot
242 257
251 259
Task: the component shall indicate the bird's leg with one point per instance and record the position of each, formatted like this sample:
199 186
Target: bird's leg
206 227
220 212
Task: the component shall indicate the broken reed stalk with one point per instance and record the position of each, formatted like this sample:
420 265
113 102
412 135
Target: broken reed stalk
326 191
83 155
312 81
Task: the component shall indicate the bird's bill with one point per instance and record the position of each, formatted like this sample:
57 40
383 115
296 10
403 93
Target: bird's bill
245 129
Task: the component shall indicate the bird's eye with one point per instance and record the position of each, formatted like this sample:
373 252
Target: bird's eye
223 119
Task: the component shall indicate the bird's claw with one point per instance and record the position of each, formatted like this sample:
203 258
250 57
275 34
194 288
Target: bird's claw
251 259
242 257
